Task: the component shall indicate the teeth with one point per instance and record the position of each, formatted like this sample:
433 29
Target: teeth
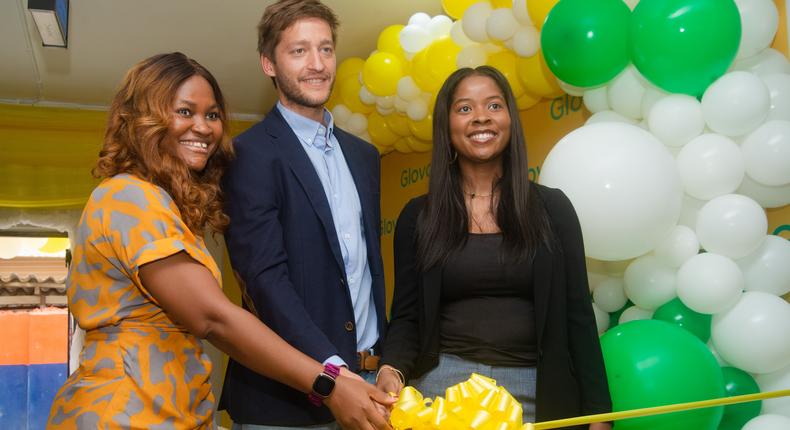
194 144
482 137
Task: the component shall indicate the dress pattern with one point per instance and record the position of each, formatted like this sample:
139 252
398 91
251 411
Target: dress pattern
139 369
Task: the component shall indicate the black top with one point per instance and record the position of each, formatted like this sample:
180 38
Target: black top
571 378
487 309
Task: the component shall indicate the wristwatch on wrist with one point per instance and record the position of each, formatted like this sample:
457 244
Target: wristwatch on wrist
324 384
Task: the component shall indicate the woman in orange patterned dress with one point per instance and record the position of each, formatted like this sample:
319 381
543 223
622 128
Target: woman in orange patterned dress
142 284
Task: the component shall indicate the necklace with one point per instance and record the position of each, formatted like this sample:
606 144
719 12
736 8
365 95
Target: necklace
473 195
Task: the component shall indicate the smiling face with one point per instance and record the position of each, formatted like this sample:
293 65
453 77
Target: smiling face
195 127
479 121
303 66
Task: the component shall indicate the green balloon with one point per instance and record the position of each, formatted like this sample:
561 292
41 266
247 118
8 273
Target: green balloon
654 363
677 313
682 46
585 42
737 383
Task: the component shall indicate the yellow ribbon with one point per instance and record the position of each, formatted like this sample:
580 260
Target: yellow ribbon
478 403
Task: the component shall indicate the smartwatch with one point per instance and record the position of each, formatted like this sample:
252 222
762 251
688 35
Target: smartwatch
324 384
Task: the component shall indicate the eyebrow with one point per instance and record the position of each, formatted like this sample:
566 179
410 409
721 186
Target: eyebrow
307 42
191 104
466 99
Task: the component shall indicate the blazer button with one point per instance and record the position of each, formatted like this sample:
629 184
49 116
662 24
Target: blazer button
342 282
349 326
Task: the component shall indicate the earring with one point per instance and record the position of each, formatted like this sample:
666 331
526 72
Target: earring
454 156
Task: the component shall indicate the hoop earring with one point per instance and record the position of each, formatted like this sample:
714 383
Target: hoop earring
454 156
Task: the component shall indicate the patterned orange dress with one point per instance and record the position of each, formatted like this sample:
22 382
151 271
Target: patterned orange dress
139 369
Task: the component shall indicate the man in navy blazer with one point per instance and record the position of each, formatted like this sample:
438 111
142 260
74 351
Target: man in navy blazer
303 201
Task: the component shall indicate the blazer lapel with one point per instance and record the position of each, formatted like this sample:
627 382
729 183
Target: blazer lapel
303 169
542 267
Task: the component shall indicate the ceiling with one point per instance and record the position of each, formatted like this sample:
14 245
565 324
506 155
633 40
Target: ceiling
106 37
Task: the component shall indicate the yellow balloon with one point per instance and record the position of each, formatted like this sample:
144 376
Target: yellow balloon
422 129
402 145
538 9
526 101
399 123
505 62
418 145
380 132
456 8
499 4
381 73
389 40
349 67
434 64
534 73
349 96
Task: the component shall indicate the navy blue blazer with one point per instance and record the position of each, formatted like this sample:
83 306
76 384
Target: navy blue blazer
285 253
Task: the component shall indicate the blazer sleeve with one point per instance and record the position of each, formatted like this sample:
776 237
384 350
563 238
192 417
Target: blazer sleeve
401 346
257 250
584 344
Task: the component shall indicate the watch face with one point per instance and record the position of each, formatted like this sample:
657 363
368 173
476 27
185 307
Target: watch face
323 385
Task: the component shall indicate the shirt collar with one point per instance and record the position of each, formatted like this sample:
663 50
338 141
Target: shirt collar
307 129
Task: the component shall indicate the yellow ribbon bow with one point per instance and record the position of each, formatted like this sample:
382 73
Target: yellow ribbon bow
477 403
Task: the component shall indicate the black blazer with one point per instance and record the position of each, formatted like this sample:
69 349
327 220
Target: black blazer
571 379
284 249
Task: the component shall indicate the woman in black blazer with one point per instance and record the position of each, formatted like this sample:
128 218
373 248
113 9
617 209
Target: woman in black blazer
490 274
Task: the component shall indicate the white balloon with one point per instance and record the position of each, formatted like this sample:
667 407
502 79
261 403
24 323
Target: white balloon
366 96
732 225
401 104
779 87
775 381
384 111
357 123
414 38
759 22
768 422
623 184
595 99
678 247
676 119
571 89
439 26
458 35
608 116
474 21
501 24
601 319
710 166
617 267
766 153
736 103
634 313
631 3
716 355
386 102
408 89
649 283
521 13
689 210
341 114
649 99
767 269
765 62
753 334
526 41
609 295
419 19
709 283
625 93
767 196
417 109
471 56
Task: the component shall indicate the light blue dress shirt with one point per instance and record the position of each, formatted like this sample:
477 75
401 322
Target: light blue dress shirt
326 155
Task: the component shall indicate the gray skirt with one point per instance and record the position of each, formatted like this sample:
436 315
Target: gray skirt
520 382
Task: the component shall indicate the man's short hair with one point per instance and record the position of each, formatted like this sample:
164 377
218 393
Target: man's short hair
279 16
